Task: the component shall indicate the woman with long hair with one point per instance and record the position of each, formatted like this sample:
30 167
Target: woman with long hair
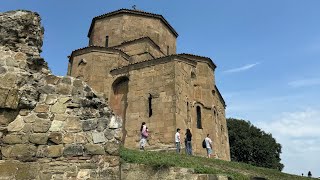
143 135
188 142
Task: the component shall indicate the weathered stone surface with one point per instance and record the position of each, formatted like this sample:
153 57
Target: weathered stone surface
16 125
115 123
72 124
90 124
7 116
84 174
51 99
58 108
94 149
56 125
42 151
55 137
41 125
41 108
30 118
60 117
55 151
98 137
112 148
73 150
38 138
15 139
20 151
80 138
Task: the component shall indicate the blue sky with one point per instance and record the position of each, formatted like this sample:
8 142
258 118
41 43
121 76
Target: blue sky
267 53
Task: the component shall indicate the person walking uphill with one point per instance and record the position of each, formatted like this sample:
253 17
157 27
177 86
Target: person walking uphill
143 136
208 145
177 140
188 142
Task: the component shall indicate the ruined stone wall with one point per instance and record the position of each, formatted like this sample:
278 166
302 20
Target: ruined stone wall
126 27
94 68
157 81
50 127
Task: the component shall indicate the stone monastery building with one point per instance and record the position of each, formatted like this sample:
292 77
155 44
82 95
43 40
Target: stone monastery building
131 60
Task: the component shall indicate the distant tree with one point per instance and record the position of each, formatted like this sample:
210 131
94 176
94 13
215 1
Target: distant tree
251 145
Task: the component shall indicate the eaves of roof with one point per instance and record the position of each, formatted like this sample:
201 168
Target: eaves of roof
200 58
135 12
98 48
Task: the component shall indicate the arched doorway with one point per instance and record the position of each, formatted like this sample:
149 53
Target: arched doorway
118 100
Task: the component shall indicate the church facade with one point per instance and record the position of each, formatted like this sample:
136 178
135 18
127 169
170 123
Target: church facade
131 60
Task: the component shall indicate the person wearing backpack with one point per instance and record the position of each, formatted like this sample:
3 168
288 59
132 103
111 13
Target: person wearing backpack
208 145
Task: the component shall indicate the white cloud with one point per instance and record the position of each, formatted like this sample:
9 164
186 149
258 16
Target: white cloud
299 135
305 82
243 68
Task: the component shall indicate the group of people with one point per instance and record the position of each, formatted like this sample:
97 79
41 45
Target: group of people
207 142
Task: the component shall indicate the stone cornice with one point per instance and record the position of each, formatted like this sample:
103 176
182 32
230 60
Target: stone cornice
151 62
134 12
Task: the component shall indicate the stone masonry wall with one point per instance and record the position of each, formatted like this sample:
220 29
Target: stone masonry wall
157 81
125 27
50 127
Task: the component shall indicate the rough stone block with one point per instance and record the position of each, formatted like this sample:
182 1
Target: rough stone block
55 137
13 98
20 151
73 150
94 149
51 99
15 139
41 125
58 108
90 124
80 138
56 125
41 108
72 124
115 122
55 151
16 125
112 148
68 138
7 116
38 138
98 137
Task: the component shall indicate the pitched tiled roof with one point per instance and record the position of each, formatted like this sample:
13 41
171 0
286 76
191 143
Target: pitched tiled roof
136 12
89 48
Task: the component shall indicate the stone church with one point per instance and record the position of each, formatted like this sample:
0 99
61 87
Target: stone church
131 60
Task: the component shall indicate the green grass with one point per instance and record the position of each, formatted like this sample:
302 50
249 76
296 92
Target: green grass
201 165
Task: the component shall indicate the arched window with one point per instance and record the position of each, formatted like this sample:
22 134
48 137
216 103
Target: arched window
199 125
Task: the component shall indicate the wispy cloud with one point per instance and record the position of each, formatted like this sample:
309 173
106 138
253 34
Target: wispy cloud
243 68
299 135
304 82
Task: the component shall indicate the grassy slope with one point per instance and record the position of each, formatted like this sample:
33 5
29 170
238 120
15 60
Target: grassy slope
203 165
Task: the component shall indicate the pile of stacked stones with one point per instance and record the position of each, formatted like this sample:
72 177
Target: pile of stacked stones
46 120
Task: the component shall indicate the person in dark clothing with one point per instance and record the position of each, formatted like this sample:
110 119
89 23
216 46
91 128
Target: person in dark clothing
309 174
188 142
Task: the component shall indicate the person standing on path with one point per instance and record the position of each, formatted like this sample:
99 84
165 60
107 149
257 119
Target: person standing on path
188 142
208 145
143 135
178 141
